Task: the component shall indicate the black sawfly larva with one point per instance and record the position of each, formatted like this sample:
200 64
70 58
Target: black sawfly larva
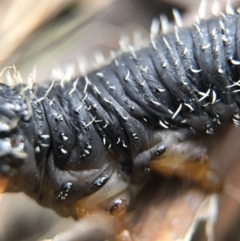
89 143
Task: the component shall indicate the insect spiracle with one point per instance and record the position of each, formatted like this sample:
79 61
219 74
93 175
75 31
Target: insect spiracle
90 143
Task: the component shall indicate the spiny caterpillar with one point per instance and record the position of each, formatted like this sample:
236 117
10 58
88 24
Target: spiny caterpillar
89 143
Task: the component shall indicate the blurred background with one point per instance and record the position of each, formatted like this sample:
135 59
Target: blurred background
67 35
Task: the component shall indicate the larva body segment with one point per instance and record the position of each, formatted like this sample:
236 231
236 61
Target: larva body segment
104 129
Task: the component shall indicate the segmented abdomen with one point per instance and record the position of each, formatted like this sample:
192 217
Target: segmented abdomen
185 78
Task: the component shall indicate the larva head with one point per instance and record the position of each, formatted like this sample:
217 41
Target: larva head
12 141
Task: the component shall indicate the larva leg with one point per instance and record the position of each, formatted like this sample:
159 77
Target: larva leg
142 160
4 179
3 183
114 198
188 160
198 171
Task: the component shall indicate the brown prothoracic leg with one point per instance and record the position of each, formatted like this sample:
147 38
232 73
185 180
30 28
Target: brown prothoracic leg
198 171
